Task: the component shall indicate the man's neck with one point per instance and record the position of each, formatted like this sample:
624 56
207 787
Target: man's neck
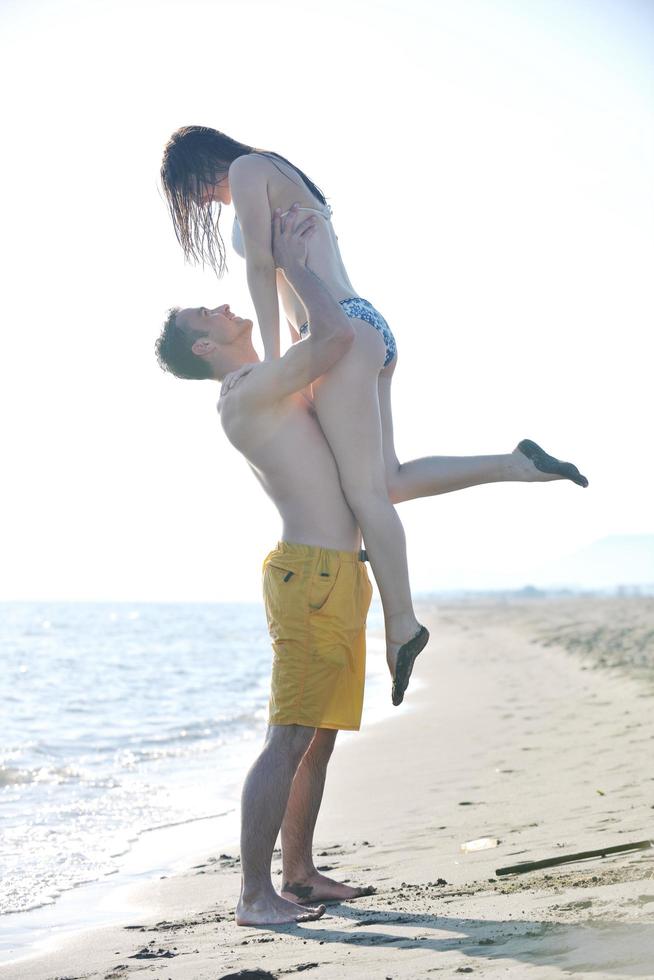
224 364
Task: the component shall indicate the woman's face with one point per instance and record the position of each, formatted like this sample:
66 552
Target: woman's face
219 191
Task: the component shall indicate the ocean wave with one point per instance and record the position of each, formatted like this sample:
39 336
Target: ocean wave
14 776
116 724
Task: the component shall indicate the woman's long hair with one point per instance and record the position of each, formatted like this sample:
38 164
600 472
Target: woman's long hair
197 157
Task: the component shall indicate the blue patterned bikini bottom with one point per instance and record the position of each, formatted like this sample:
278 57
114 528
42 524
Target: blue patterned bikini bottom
361 309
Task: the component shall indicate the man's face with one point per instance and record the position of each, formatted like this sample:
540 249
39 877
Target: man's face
219 324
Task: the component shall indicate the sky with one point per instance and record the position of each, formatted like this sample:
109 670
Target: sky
489 165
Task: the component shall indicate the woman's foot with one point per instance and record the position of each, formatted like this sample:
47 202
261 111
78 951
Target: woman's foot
319 888
273 910
539 466
404 626
404 660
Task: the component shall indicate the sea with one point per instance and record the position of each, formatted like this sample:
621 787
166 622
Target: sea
119 721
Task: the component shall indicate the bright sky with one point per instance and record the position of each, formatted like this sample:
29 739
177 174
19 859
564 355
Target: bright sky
490 168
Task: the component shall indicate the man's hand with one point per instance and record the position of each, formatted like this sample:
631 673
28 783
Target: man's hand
290 238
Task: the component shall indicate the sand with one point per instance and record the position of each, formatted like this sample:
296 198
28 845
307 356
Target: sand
527 728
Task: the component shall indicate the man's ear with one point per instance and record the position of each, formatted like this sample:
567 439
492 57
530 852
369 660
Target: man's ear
203 346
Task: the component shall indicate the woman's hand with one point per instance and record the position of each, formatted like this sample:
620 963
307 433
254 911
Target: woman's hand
231 379
291 237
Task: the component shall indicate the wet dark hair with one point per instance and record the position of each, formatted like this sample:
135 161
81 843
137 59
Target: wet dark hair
173 350
195 157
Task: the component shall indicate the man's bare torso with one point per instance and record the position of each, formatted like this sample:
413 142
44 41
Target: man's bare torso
291 458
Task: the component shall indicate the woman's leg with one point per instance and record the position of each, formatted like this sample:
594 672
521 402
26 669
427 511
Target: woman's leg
347 402
432 475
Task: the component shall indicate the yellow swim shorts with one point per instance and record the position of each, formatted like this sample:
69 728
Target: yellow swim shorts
316 603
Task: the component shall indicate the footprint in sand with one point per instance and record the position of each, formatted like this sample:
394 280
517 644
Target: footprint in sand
258 974
153 954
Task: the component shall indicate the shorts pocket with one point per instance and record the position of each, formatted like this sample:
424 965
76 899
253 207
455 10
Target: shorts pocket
281 588
329 619
321 588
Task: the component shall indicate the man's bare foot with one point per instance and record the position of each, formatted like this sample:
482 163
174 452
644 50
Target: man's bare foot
319 888
273 910
535 465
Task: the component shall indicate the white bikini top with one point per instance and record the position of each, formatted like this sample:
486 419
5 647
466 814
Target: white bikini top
237 234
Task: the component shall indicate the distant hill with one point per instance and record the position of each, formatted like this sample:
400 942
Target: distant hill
620 559
606 564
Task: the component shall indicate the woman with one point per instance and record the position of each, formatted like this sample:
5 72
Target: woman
202 167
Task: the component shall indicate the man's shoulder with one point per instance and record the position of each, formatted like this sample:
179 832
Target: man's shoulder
251 419
262 385
244 383
247 394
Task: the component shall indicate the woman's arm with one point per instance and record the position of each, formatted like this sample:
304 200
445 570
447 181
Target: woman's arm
248 182
291 304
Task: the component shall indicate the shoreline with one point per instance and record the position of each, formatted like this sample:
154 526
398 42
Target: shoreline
506 739
99 903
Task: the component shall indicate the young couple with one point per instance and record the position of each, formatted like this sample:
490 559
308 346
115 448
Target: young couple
316 428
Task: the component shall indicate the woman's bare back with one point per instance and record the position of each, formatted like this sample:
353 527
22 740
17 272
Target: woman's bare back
286 187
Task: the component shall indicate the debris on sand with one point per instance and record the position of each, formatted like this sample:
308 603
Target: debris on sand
567 858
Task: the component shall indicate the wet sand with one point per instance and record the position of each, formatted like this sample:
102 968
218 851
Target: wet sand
533 726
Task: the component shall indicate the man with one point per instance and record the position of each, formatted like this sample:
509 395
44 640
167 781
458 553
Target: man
316 588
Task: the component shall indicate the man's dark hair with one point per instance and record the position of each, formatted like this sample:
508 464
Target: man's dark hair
173 350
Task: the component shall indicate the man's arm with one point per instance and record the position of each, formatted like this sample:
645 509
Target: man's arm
331 332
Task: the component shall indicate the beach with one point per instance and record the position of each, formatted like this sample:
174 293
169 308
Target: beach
529 728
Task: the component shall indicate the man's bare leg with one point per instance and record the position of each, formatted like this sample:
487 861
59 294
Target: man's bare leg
264 799
302 882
